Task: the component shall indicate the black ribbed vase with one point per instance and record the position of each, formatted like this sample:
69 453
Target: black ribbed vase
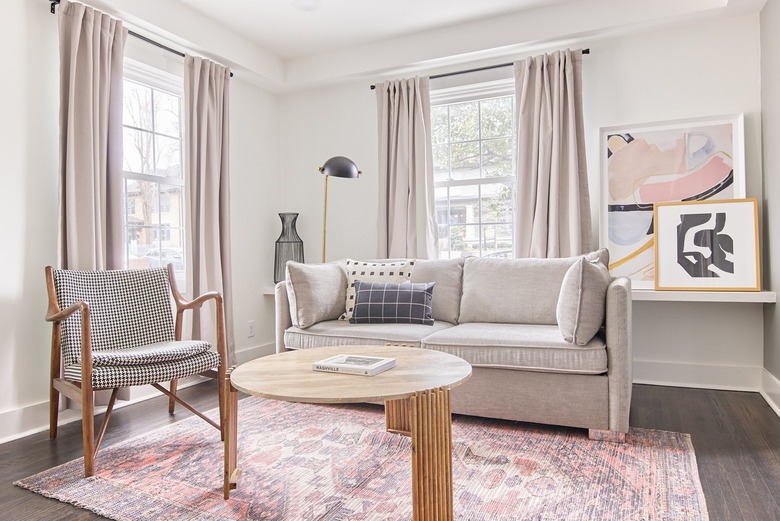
289 245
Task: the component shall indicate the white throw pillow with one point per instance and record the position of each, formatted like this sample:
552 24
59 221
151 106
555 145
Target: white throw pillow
397 271
581 301
316 292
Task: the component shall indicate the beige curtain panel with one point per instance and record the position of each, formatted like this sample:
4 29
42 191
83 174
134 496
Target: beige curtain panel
407 219
91 52
552 217
207 149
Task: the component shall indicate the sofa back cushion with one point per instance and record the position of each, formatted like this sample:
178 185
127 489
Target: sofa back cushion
515 291
448 276
316 292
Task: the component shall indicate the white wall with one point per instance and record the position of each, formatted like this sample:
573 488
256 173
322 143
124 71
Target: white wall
255 192
770 102
708 67
28 201
317 125
29 161
704 68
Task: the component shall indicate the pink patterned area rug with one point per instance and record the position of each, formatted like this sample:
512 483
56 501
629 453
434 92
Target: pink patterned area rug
316 462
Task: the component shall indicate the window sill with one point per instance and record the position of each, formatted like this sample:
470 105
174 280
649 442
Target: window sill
759 297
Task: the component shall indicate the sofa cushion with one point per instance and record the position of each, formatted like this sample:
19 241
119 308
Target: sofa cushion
381 271
448 276
390 303
339 332
519 346
316 292
515 291
581 303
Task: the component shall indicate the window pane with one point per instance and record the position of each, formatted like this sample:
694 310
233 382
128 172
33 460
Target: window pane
497 240
137 151
439 123
441 162
457 241
168 162
444 242
497 157
497 203
464 121
496 117
167 114
146 203
464 159
464 204
137 106
171 205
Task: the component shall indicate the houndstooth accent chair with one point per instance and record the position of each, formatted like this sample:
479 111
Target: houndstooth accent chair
122 328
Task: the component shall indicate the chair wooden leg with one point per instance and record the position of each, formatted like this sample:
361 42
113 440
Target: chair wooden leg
88 430
223 385
54 409
106 418
171 401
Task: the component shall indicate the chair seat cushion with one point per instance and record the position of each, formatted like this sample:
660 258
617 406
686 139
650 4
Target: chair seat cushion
150 353
112 376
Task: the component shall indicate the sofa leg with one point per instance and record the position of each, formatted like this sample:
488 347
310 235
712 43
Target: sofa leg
613 436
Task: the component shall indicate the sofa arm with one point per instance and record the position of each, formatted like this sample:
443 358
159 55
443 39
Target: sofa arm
283 319
619 359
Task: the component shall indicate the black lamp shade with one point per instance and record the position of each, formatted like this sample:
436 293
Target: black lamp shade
340 166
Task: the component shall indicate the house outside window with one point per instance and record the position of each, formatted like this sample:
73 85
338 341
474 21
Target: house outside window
153 169
473 138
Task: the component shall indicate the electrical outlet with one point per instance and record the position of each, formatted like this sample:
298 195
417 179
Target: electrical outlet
250 329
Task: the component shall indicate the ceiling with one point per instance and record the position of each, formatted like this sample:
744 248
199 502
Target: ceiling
275 45
289 32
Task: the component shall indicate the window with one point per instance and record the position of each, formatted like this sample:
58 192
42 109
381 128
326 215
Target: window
474 173
153 169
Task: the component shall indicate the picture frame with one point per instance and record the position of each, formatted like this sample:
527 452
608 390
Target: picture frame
683 160
707 245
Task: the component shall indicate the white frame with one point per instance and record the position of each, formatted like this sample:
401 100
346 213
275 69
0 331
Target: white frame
740 228
637 259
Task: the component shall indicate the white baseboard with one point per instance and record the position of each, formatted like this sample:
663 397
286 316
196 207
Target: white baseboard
23 421
770 390
731 378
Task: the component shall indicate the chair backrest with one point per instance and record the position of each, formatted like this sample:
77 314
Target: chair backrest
128 308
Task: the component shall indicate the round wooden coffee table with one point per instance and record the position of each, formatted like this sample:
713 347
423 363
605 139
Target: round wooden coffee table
416 393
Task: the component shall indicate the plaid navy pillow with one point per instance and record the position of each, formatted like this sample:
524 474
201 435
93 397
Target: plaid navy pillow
389 303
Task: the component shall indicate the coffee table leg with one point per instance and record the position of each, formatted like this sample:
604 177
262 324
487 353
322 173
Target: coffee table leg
230 479
397 417
431 430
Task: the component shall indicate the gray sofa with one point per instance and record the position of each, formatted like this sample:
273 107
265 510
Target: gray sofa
549 339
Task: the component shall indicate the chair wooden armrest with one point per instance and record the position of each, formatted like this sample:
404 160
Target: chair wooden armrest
53 315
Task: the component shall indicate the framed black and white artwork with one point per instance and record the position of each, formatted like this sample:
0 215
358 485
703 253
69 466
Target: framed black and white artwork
707 245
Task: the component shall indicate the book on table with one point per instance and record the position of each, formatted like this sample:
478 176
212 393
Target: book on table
354 364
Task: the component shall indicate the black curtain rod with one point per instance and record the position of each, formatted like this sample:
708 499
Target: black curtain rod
55 3
478 69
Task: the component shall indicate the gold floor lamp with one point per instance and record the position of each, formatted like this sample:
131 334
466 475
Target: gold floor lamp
337 166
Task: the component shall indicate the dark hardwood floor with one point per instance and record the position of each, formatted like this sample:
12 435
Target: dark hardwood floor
736 436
